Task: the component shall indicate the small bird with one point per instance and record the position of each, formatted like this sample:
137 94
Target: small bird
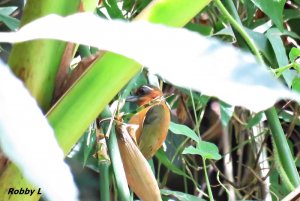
153 119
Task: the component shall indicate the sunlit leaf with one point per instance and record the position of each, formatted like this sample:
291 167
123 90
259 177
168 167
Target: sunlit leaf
7 10
294 56
29 141
195 62
205 149
296 84
183 130
10 22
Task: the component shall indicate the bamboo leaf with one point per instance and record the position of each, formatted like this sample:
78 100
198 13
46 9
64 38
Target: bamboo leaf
30 142
240 74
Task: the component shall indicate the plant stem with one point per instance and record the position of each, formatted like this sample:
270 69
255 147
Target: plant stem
104 164
279 71
284 152
241 31
211 198
114 153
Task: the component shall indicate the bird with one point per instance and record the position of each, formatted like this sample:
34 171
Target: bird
153 119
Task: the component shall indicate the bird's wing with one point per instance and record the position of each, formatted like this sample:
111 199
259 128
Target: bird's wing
154 131
138 119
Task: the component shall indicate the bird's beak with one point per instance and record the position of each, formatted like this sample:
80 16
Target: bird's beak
132 98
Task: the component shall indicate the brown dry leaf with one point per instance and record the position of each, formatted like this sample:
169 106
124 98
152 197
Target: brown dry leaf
65 81
181 111
63 68
138 172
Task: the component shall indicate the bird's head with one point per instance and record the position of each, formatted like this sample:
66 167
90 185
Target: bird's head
145 94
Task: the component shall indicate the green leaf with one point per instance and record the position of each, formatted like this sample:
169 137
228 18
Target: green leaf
273 35
162 157
128 5
296 84
89 143
7 10
287 117
205 149
264 46
255 120
10 22
250 10
202 29
226 113
291 34
183 130
100 13
198 98
290 14
180 196
274 10
113 9
294 54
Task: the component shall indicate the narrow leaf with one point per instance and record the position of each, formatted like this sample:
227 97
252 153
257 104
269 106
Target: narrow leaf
7 10
170 49
296 84
255 120
29 141
10 22
272 8
113 9
161 156
273 35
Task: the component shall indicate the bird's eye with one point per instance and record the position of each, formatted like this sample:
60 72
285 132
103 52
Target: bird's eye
143 90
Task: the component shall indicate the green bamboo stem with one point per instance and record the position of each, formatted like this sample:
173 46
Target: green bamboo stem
103 164
116 160
37 62
104 180
172 13
279 139
283 149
